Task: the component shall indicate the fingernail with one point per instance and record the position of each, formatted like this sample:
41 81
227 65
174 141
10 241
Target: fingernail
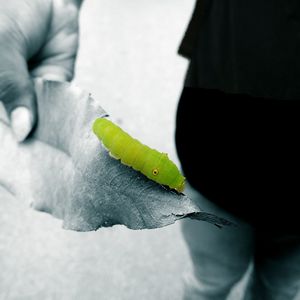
21 122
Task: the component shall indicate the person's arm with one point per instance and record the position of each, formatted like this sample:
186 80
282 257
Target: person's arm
38 38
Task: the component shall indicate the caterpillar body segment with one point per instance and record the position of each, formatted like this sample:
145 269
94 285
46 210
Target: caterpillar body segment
150 162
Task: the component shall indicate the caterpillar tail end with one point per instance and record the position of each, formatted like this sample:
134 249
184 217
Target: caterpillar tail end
95 126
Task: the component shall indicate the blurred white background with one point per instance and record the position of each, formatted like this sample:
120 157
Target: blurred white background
128 60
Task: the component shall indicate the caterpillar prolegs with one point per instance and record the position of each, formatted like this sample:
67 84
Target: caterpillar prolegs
150 162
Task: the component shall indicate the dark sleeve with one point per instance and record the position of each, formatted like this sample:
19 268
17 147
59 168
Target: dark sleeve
189 40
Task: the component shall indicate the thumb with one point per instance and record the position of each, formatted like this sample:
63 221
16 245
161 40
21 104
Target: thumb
18 94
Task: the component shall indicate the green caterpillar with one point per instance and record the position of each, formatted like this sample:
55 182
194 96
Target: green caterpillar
150 162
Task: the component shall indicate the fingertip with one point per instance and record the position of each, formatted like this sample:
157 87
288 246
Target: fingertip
22 121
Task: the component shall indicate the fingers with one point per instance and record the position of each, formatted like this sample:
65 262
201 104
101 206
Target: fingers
45 49
56 59
55 71
17 93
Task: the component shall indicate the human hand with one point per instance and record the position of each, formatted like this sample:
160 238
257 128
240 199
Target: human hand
38 38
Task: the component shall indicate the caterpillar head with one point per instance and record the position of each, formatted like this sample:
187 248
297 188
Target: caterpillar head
165 172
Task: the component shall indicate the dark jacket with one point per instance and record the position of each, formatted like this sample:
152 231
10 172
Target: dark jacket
248 47
237 128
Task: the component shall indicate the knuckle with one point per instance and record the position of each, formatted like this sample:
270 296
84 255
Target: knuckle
13 86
